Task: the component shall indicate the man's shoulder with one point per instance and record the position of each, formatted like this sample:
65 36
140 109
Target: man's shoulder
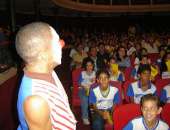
36 108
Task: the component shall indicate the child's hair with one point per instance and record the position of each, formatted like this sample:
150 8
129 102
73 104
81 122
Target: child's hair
143 68
150 97
88 59
102 71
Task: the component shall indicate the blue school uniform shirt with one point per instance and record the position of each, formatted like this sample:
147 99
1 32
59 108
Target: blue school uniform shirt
104 103
165 94
134 90
86 79
139 124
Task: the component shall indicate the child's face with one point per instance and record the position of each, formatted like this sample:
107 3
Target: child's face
144 52
168 57
89 66
150 110
144 60
103 81
145 76
112 61
122 52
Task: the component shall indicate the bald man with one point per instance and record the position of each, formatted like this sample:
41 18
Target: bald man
42 101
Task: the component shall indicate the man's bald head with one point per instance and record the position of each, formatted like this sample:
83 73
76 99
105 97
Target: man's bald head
32 39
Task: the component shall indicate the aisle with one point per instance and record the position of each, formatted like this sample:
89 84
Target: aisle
64 74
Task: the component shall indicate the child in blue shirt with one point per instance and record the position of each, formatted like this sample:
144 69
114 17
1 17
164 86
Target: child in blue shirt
165 94
143 86
86 79
115 73
102 100
151 108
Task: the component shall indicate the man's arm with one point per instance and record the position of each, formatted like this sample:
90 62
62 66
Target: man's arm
37 113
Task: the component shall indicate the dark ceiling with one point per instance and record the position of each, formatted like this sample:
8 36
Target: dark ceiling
28 6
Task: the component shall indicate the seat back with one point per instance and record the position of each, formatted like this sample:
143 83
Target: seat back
75 77
153 57
125 88
125 113
118 85
127 73
160 83
165 114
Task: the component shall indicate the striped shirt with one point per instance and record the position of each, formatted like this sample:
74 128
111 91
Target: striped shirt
53 92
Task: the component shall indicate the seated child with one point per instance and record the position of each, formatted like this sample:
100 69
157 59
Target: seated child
165 94
151 108
143 60
141 87
102 100
165 63
115 73
86 79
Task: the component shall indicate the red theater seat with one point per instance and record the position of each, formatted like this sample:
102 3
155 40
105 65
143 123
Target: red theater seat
125 113
160 83
165 115
75 76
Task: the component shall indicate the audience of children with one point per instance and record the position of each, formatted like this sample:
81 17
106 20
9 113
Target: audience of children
116 53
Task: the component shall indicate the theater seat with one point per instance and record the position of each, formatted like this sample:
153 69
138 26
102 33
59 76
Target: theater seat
160 83
125 88
125 113
153 57
127 73
165 114
75 76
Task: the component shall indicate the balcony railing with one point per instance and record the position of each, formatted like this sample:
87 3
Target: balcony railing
116 5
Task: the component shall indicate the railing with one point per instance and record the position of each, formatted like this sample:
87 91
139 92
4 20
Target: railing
120 2
115 5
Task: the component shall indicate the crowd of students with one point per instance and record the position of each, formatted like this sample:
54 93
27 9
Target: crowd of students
104 57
